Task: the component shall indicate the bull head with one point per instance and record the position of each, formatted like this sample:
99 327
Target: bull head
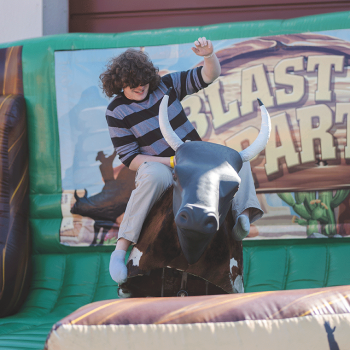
205 182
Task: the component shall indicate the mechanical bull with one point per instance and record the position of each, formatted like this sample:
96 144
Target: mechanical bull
186 246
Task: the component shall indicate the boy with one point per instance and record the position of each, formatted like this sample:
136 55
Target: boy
133 123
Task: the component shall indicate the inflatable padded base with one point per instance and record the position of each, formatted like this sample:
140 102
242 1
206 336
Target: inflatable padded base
298 319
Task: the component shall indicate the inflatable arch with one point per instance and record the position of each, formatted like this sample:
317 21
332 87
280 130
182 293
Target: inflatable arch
294 286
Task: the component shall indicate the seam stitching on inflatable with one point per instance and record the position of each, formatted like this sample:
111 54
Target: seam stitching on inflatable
61 287
98 271
286 267
24 275
325 282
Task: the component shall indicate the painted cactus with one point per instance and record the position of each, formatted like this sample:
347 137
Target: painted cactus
314 211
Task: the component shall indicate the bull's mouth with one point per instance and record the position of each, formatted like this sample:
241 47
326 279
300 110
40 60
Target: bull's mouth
193 243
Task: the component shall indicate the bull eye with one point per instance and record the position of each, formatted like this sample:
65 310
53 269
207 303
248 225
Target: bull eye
174 177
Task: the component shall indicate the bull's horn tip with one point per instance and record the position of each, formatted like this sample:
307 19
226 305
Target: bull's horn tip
259 101
169 91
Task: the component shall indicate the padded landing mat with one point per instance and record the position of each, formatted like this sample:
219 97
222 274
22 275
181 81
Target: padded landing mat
297 319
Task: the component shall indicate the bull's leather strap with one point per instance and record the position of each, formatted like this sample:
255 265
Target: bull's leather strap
184 280
163 281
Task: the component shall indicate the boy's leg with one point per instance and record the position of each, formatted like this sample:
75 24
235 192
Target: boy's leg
152 179
245 205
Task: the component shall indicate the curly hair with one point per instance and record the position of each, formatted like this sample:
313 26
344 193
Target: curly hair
132 68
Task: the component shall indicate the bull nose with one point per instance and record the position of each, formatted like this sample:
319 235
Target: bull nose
183 217
197 219
211 224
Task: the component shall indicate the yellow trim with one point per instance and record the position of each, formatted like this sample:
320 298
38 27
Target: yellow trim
19 137
122 309
175 314
5 100
5 70
4 250
323 305
20 183
293 302
93 311
4 253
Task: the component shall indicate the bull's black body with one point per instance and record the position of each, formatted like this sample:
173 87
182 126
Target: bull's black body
158 250
194 234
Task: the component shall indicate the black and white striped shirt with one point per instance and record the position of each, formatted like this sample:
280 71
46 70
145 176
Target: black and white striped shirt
134 125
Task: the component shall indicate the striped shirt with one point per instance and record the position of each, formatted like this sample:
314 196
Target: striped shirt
134 125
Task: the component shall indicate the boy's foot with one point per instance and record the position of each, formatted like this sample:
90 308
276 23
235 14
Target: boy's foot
117 268
241 228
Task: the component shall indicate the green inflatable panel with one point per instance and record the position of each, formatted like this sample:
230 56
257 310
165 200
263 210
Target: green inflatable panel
65 278
60 284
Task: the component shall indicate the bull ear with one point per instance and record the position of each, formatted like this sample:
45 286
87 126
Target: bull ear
167 131
85 194
260 142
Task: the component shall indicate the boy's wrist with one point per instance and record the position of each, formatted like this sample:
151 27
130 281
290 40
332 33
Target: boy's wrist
208 56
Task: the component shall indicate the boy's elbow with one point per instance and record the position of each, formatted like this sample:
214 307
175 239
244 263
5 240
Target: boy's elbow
209 78
134 164
217 73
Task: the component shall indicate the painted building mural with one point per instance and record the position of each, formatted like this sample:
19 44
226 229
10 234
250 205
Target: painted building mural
303 176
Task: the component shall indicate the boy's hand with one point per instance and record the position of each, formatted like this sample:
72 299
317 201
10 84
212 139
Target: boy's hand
203 47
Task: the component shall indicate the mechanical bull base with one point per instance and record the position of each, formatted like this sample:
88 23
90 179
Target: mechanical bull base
158 267
186 245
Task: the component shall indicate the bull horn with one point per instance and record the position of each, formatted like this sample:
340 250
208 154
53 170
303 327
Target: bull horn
77 197
165 128
260 142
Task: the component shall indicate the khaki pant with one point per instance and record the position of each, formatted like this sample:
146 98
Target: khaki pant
153 178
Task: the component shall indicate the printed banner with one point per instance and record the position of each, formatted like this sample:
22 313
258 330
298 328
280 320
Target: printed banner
302 177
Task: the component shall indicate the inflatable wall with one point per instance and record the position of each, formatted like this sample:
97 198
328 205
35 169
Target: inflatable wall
300 178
